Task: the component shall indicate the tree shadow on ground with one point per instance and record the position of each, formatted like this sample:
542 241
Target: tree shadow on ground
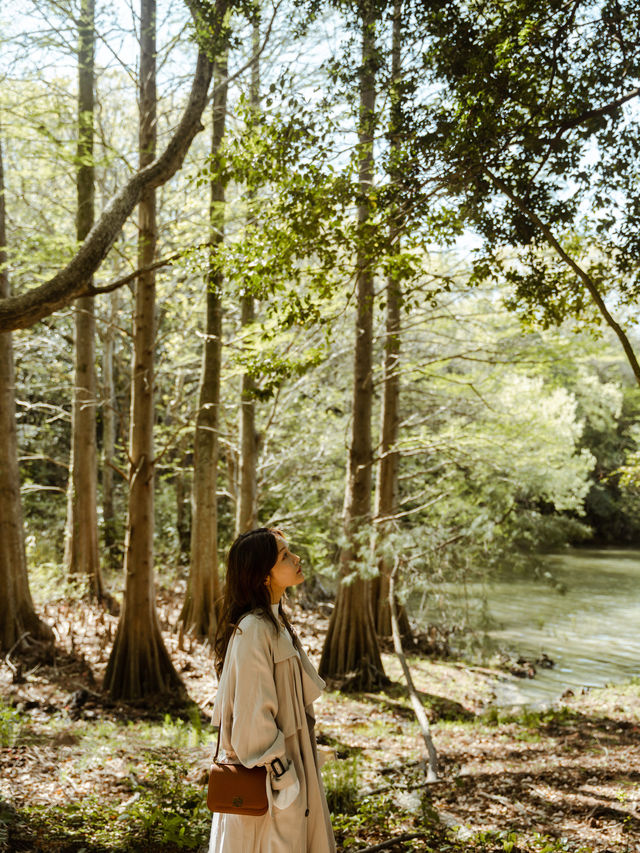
437 707
581 777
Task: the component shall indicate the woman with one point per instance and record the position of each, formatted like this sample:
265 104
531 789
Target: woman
264 703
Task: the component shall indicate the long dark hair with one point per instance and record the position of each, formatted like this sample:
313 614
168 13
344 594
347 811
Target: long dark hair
250 559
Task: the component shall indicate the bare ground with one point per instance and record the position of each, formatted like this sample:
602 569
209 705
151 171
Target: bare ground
568 778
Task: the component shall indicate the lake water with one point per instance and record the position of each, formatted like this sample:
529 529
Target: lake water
592 631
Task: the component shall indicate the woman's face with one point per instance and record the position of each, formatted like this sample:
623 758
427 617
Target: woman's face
286 571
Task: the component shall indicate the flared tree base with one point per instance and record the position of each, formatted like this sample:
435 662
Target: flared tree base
351 655
139 665
382 612
198 617
25 633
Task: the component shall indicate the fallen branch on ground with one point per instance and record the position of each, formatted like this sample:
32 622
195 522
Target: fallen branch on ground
423 722
391 841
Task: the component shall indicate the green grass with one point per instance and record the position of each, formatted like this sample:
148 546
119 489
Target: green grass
10 724
532 719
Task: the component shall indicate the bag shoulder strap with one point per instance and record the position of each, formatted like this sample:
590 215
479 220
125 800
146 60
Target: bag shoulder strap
215 757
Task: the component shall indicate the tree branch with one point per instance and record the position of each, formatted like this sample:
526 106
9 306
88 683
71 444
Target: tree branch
120 282
19 312
577 269
391 842
604 110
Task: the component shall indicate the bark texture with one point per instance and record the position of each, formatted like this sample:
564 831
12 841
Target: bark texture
81 542
246 504
203 590
351 648
109 433
389 459
18 620
247 489
139 664
19 312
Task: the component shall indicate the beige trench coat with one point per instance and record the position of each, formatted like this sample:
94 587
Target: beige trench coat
264 705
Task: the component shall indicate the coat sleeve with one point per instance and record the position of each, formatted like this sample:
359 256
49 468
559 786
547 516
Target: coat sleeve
255 737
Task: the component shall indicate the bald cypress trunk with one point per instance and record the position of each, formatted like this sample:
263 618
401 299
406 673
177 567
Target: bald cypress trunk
387 470
109 529
81 542
139 664
351 646
247 490
203 589
19 622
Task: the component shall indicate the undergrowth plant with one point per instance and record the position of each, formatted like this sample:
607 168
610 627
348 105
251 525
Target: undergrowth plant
10 722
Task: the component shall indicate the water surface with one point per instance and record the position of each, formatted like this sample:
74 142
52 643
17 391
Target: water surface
592 631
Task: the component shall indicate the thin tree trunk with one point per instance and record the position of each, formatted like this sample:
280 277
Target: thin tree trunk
183 509
139 664
387 469
109 433
247 497
246 505
183 516
18 620
351 647
81 543
203 589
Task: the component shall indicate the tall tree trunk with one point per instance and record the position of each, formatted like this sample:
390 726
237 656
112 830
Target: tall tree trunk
183 507
247 490
81 543
109 432
139 664
178 460
18 619
351 646
203 590
387 469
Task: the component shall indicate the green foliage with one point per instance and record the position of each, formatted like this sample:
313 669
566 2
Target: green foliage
530 718
10 722
370 814
170 812
522 145
512 842
50 581
182 733
510 441
165 810
340 780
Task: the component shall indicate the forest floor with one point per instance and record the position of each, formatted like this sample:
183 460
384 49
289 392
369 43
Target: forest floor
79 773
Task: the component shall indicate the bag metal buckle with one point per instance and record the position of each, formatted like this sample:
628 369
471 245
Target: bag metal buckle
278 772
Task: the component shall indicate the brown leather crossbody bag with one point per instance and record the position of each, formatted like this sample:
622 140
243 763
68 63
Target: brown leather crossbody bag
236 789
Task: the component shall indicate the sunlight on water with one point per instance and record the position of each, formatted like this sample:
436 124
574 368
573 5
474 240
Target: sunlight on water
592 631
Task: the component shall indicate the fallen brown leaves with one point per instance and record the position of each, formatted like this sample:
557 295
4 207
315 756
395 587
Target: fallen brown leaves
571 773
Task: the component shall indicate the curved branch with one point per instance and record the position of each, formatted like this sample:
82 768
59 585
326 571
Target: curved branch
586 279
19 312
